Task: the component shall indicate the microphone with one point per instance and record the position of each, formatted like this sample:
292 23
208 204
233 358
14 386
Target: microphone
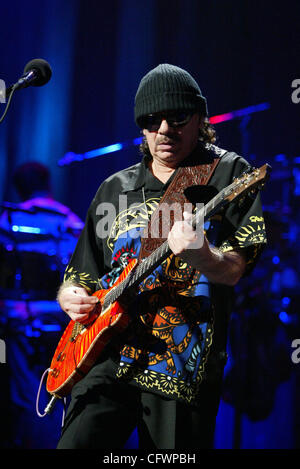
36 73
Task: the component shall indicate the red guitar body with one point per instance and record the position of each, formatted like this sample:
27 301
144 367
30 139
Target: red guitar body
81 345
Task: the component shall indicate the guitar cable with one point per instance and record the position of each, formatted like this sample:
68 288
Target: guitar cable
51 403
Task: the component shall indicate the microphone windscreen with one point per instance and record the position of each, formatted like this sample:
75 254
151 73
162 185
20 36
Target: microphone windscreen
43 70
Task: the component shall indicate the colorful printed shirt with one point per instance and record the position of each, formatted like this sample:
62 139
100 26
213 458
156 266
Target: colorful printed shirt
178 329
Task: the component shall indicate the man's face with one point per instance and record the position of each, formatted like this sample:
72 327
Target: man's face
168 144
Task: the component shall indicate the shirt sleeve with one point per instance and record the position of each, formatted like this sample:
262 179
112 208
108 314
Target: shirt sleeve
86 264
245 224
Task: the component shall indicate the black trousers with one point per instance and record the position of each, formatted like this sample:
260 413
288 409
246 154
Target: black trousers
104 412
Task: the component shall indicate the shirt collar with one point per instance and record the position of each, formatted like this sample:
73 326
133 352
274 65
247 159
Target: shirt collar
139 175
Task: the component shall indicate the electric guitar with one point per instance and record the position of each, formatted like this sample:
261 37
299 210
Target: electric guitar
80 345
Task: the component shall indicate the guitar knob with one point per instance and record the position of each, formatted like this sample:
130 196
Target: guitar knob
61 357
55 372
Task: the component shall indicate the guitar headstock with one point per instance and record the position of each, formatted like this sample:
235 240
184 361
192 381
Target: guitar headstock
248 182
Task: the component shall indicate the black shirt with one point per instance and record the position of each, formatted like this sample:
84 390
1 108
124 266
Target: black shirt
177 336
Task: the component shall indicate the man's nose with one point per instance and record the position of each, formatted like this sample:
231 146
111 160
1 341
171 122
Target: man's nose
164 127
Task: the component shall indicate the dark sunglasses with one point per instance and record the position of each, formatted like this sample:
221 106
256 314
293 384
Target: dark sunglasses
152 122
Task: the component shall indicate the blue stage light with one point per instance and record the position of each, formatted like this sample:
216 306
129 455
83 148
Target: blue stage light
284 317
50 328
26 229
285 301
137 141
103 150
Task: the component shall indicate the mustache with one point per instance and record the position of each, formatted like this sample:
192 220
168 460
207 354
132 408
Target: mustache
167 141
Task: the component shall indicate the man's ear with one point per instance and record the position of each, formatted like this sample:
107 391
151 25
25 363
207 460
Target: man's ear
144 132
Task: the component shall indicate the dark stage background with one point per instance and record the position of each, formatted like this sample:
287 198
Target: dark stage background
242 54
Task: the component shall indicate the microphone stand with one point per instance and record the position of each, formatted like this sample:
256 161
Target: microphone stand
9 94
23 82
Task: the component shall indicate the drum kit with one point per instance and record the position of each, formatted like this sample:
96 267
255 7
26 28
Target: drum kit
265 319
35 247
32 263
274 283
282 217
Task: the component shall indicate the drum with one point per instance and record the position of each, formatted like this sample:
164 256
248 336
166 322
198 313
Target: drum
27 275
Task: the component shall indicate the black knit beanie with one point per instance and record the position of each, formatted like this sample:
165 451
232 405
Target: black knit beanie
168 87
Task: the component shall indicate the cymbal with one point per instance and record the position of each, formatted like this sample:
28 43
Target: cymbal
16 208
33 210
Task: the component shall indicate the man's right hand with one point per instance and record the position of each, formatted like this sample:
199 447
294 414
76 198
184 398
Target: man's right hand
77 303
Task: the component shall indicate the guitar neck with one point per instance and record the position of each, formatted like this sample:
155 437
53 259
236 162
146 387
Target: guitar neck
247 182
127 287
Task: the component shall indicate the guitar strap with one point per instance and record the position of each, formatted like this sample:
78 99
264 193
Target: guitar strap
185 177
